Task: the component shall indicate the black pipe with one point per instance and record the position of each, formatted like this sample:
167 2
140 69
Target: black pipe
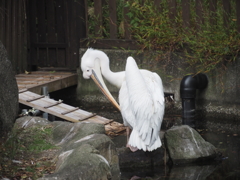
188 87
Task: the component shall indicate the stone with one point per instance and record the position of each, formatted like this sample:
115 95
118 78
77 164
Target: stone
92 157
186 145
30 121
84 151
64 131
8 93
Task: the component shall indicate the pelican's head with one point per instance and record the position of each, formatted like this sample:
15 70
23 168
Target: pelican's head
88 63
91 67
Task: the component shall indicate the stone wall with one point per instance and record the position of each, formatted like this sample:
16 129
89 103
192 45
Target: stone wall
218 101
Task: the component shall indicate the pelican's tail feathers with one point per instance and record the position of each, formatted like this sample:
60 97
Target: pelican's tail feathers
136 141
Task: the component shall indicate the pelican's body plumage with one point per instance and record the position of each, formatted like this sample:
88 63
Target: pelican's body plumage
141 97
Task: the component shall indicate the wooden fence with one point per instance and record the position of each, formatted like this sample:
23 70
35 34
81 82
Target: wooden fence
42 33
13 32
126 42
69 23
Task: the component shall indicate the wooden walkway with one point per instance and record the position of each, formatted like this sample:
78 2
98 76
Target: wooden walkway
67 112
34 81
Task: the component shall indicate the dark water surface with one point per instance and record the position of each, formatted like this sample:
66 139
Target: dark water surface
225 168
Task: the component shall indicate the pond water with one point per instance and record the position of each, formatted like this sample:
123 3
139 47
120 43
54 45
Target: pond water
225 168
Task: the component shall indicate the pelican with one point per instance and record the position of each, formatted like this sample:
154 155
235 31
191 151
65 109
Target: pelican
141 97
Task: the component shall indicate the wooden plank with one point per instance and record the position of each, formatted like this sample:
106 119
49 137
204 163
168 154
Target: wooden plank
113 18
3 21
213 9
49 45
60 22
127 34
199 13
226 13
59 109
112 128
55 81
172 9
238 14
186 14
33 32
41 26
41 20
110 43
60 31
98 14
157 4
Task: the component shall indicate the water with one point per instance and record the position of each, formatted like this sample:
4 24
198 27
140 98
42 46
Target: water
225 168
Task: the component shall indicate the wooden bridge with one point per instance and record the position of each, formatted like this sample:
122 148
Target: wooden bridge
55 81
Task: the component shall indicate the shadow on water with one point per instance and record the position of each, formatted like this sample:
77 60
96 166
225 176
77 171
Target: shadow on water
225 168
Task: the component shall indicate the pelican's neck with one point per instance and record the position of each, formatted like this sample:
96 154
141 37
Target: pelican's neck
115 78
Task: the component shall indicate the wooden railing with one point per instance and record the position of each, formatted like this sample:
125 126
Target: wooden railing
98 39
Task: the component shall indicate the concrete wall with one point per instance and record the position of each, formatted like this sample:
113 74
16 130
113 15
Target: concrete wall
219 100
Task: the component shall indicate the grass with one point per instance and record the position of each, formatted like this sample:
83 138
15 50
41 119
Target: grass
21 153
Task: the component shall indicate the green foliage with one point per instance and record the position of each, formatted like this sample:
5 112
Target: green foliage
93 19
206 48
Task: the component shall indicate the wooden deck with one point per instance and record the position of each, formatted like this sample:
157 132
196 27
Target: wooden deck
34 81
30 86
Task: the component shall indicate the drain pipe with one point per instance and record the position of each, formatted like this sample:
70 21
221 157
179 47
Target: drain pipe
188 87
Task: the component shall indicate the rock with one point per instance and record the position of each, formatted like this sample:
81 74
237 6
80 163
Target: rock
186 145
30 121
65 131
85 152
94 157
8 93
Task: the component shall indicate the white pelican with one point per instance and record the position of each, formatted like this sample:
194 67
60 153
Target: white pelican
141 97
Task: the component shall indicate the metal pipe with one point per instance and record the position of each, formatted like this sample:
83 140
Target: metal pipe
188 87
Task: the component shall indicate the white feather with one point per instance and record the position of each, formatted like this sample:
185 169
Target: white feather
141 98
142 106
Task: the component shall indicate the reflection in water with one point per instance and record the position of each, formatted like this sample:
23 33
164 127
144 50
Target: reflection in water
191 172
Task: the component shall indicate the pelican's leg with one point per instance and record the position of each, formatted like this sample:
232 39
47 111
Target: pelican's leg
128 130
133 149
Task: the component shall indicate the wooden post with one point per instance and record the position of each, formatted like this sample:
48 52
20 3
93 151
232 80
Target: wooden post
226 13
238 14
199 13
98 14
113 19
186 14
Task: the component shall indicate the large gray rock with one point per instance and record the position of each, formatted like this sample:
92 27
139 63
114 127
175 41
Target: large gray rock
185 144
85 152
8 93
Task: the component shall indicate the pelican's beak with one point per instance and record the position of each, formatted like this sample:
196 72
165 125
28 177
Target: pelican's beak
97 78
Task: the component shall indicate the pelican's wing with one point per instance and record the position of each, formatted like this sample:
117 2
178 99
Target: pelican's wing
144 108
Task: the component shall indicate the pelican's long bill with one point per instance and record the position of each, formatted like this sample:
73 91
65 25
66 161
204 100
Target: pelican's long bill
101 85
